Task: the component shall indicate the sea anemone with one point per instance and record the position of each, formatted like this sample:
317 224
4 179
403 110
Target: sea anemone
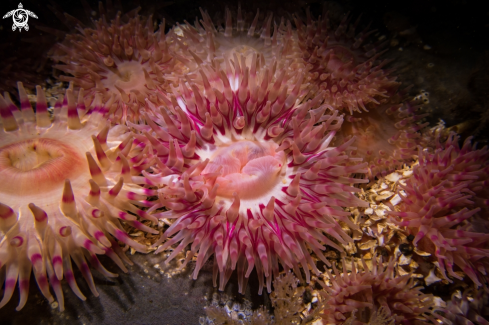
125 62
360 296
54 205
387 136
384 123
438 201
337 62
250 176
249 37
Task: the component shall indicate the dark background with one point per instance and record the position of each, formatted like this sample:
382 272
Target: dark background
443 49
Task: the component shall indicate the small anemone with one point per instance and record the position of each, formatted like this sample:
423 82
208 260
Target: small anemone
124 62
361 296
243 35
387 136
339 63
58 203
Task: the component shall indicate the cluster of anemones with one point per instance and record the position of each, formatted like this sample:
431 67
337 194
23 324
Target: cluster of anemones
57 202
241 154
361 296
158 62
438 202
250 176
349 72
339 63
126 63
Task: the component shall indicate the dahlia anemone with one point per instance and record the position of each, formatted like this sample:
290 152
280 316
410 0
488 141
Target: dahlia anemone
54 205
125 62
360 296
249 175
205 43
387 136
337 62
437 202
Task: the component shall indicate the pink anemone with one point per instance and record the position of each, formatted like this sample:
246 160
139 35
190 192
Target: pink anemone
249 176
387 136
438 203
58 203
126 63
360 296
245 34
339 63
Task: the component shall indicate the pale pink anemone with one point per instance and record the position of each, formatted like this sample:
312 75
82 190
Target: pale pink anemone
57 202
338 63
245 34
360 296
126 63
438 202
387 136
250 176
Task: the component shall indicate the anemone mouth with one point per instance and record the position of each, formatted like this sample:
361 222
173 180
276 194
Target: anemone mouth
128 76
47 162
249 169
